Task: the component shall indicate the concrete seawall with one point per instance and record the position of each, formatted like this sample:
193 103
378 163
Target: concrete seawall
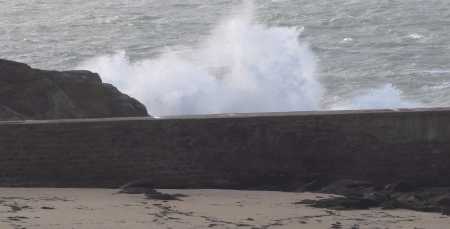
229 151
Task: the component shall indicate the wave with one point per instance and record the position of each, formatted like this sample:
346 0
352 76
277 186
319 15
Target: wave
242 66
385 97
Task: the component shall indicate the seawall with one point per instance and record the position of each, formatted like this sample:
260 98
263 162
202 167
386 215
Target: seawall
229 151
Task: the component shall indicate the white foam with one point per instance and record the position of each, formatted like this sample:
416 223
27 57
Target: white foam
415 36
385 97
347 40
241 67
437 71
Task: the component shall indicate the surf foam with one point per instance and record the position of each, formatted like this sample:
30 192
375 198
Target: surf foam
243 66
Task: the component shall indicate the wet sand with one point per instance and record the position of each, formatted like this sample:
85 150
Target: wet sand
105 209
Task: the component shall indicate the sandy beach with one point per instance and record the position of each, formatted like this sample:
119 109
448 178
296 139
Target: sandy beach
104 208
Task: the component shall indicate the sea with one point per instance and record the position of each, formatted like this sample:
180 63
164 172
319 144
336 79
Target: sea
236 56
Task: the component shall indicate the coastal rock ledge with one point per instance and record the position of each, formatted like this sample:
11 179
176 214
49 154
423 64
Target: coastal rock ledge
27 93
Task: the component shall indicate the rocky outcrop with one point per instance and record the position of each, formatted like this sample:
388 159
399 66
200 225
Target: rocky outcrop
27 93
364 195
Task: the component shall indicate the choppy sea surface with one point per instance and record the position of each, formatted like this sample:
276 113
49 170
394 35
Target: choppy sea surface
215 56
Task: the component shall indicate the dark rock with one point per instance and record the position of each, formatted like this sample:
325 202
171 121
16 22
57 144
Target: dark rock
400 187
348 187
155 195
443 200
147 187
446 211
343 203
27 93
138 187
314 185
376 196
399 195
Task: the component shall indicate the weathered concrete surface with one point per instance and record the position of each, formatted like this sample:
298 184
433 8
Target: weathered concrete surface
229 151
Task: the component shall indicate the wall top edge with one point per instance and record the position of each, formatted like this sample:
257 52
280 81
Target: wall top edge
235 116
